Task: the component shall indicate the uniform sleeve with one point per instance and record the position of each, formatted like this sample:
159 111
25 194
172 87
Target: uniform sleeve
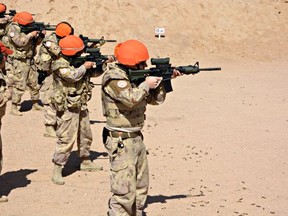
18 38
71 74
5 20
52 47
122 91
157 96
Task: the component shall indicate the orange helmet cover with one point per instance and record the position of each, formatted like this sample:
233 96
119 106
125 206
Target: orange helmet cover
2 8
23 18
70 45
63 29
131 52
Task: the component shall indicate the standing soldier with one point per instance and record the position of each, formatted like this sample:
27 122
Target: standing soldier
124 106
4 20
3 99
20 67
49 51
71 91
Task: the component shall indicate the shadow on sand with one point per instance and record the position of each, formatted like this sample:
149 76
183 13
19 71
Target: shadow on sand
73 163
14 179
161 199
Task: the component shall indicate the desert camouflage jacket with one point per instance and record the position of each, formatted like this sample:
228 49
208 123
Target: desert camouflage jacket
124 104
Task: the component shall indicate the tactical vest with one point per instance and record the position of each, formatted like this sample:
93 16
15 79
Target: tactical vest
3 23
47 50
116 113
21 53
69 94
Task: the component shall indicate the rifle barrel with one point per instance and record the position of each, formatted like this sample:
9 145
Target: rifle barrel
210 69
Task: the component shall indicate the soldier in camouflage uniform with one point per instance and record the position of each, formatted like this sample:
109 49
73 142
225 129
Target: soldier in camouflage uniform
4 20
71 92
49 51
3 100
20 67
124 106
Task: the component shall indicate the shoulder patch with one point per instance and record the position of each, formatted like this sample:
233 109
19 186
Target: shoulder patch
48 44
122 84
64 72
12 34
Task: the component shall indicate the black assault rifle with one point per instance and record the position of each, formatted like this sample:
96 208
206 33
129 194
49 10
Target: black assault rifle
37 26
93 42
163 69
90 54
12 13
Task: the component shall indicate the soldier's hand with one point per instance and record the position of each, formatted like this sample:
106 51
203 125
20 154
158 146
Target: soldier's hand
34 33
176 73
43 32
153 82
110 59
89 64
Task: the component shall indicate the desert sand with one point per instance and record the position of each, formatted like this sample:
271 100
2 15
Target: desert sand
217 146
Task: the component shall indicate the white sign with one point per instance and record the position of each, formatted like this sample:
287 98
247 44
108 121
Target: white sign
159 31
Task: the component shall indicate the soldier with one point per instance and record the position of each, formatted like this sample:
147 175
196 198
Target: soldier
4 20
20 67
3 99
48 52
71 91
124 106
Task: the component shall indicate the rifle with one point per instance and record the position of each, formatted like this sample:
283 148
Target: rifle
94 55
163 69
37 26
11 13
93 42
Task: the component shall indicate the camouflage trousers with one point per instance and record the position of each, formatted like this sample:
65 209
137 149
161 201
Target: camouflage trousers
129 176
46 92
73 125
2 113
22 75
50 115
1 155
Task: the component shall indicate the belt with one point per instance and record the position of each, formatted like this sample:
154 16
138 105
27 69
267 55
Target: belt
124 135
26 60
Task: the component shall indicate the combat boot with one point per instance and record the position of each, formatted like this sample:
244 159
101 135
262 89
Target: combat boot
50 131
88 165
57 175
36 106
15 111
3 199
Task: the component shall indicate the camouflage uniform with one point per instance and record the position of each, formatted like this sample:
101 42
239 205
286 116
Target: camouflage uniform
48 51
3 23
20 67
124 106
3 101
71 91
